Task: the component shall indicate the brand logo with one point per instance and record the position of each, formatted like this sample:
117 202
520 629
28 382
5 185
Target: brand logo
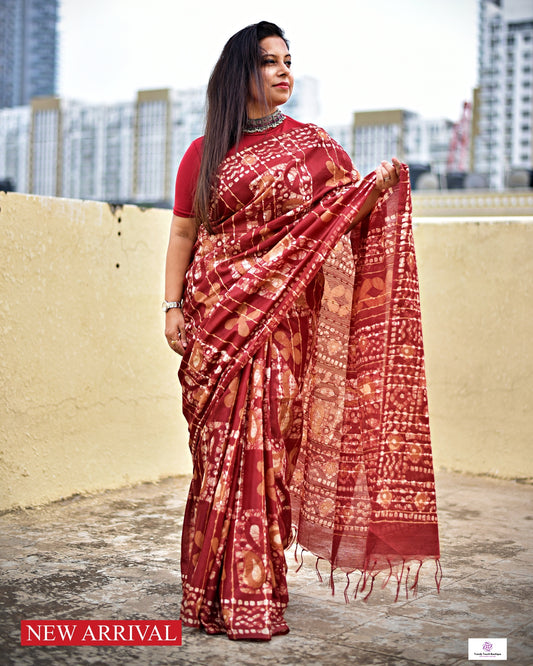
487 648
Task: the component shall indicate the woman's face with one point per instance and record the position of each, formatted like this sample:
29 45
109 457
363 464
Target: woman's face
277 78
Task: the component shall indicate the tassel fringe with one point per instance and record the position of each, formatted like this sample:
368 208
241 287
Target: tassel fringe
408 577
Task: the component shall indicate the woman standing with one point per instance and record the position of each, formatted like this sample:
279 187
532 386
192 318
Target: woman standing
292 295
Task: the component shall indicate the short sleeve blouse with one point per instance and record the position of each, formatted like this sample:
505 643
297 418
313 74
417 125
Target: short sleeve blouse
189 167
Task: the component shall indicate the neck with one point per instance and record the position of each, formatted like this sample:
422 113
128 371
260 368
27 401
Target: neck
253 113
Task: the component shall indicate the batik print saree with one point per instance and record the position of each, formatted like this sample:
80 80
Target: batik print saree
303 385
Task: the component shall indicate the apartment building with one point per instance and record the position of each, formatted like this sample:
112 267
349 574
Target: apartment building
503 133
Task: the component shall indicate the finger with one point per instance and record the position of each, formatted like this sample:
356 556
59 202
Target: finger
389 173
394 171
176 345
183 336
397 165
179 349
379 178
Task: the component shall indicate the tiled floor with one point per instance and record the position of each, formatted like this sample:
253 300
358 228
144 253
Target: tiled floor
115 556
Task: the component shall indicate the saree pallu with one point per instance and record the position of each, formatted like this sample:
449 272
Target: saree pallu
303 385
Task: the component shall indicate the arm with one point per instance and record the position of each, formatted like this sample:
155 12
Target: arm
387 175
180 245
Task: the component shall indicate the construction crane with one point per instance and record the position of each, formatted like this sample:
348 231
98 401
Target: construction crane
458 152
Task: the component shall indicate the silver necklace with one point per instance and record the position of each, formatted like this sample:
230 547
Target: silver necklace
254 125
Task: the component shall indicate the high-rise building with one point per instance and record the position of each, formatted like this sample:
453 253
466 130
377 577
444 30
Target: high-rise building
28 50
97 149
118 152
15 125
420 142
503 128
45 147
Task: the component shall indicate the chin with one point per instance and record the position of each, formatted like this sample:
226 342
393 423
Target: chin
282 99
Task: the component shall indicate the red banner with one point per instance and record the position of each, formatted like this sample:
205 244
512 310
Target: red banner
100 632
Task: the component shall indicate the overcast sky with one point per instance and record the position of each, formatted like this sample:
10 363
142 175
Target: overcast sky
419 55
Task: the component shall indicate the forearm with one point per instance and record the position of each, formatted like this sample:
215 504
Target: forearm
366 208
180 247
178 258
387 175
179 253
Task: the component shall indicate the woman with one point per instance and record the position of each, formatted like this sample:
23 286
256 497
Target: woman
292 295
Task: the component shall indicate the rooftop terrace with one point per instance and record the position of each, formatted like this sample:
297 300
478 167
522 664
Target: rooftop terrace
89 409
114 555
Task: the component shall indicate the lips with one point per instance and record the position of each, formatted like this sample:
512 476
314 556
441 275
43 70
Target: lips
282 85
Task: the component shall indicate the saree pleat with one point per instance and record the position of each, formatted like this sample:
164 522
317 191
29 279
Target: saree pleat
303 384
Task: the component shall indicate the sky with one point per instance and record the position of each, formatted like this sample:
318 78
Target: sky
419 55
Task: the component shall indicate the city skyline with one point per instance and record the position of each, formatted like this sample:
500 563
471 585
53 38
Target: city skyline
127 147
418 55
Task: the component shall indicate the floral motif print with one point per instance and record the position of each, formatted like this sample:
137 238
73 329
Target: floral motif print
303 387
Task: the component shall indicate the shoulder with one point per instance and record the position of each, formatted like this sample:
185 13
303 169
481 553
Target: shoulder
309 129
190 162
197 144
194 151
312 130
318 142
290 123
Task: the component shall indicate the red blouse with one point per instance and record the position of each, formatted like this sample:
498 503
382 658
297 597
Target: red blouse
189 167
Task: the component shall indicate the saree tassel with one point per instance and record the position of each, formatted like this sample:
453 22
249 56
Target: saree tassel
399 584
301 561
292 538
346 597
364 580
357 587
373 578
332 582
414 586
369 572
438 575
388 577
319 575
407 582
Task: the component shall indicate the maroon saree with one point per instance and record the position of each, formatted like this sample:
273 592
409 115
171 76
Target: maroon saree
303 385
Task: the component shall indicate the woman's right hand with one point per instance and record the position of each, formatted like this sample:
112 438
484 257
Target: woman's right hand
175 330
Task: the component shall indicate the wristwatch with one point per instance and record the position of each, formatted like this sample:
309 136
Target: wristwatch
168 305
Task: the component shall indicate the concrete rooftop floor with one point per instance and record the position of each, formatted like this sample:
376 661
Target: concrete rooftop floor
115 555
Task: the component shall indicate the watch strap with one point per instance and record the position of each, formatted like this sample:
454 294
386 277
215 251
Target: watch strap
169 305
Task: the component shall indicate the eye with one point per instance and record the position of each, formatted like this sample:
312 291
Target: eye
269 61
288 63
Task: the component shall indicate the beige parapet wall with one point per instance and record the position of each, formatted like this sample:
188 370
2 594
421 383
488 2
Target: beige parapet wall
90 391
453 203
476 283
90 398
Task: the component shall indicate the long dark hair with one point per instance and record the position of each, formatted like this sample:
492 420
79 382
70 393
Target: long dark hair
228 90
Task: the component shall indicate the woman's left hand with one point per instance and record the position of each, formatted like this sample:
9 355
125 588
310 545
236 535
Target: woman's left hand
387 174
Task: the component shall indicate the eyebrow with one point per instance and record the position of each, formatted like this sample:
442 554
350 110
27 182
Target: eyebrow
273 55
